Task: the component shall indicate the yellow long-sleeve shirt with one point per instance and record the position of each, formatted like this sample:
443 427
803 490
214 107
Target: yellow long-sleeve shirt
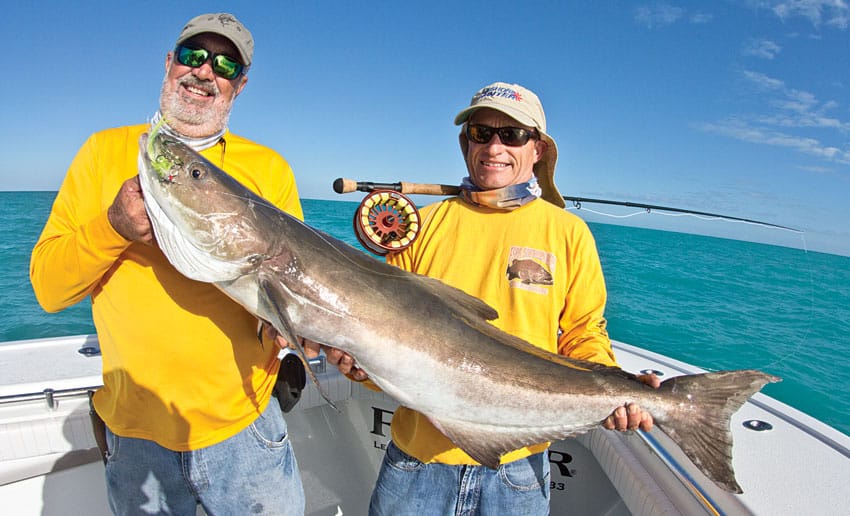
181 362
536 265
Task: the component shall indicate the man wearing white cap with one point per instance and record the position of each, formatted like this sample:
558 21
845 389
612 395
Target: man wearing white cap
187 395
506 240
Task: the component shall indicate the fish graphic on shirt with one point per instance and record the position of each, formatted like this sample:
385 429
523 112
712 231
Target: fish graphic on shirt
528 271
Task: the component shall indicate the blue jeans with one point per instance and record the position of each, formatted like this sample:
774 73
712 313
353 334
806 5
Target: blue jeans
407 486
253 472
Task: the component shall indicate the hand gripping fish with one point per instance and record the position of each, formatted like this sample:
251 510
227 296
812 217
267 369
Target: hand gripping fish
496 392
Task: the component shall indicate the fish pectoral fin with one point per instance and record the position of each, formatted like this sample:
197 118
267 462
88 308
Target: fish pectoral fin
275 300
485 444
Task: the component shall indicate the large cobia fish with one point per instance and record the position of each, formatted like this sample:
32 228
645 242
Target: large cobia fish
424 343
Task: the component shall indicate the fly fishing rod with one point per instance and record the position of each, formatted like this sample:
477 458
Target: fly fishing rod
649 207
387 220
342 185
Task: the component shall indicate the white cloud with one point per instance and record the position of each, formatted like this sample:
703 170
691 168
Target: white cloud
745 130
833 13
825 171
659 15
789 119
795 108
763 48
701 18
763 81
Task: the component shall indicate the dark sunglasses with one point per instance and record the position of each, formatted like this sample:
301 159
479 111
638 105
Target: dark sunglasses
510 136
224 66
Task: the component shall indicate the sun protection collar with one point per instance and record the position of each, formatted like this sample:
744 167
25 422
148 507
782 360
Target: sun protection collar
507 198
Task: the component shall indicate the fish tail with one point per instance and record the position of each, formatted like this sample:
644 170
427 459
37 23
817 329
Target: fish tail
700 424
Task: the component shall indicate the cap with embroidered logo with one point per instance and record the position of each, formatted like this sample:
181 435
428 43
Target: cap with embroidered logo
524 106
223 24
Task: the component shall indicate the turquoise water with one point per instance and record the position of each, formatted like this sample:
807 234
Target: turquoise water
712 302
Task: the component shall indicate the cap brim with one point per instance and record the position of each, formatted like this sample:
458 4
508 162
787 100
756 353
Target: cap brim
516 114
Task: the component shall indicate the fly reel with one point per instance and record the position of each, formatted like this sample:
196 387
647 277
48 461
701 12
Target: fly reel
386 221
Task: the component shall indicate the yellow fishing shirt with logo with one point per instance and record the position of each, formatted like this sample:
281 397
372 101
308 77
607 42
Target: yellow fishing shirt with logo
536 265
181 362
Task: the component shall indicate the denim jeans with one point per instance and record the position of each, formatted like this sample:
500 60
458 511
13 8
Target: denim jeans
407 486
253 472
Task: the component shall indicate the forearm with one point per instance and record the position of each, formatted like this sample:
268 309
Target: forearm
588 341
67 264
584 333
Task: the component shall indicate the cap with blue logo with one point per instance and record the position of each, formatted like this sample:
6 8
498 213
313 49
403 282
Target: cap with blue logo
522 105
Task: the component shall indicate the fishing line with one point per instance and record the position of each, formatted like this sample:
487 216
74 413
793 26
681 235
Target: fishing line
661 211
658 210
668 210
809 328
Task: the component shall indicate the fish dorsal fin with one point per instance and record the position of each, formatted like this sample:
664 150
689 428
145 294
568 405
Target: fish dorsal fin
470 305
478 312
574 363
586 365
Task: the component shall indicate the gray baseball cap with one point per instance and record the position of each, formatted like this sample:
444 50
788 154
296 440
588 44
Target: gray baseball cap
223 24
522 105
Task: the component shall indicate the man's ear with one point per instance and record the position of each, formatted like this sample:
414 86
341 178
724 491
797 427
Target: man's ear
464 143
540 147
242 82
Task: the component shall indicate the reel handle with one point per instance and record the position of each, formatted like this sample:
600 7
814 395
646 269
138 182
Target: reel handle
342 185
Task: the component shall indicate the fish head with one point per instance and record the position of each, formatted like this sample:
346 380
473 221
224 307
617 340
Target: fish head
202 217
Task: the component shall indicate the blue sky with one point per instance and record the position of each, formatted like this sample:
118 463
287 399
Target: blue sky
733 107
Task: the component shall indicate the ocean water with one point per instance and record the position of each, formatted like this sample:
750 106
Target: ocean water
713 302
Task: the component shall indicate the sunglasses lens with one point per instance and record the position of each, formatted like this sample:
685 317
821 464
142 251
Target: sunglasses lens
513 136
191 56
479 133
226 67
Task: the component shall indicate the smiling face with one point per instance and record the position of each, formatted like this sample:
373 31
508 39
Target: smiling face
195 101
493 164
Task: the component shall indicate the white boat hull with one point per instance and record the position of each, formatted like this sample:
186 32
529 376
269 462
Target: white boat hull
50 463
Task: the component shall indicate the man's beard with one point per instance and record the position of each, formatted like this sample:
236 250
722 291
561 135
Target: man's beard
188 117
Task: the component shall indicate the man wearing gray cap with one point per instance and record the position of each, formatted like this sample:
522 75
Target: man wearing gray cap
186 385
506 240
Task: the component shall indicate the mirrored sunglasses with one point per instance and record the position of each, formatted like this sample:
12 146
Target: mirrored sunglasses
224 66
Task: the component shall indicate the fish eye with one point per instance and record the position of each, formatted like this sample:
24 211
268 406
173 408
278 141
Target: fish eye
197 173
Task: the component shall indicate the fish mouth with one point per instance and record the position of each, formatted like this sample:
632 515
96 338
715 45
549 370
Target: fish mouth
162 160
